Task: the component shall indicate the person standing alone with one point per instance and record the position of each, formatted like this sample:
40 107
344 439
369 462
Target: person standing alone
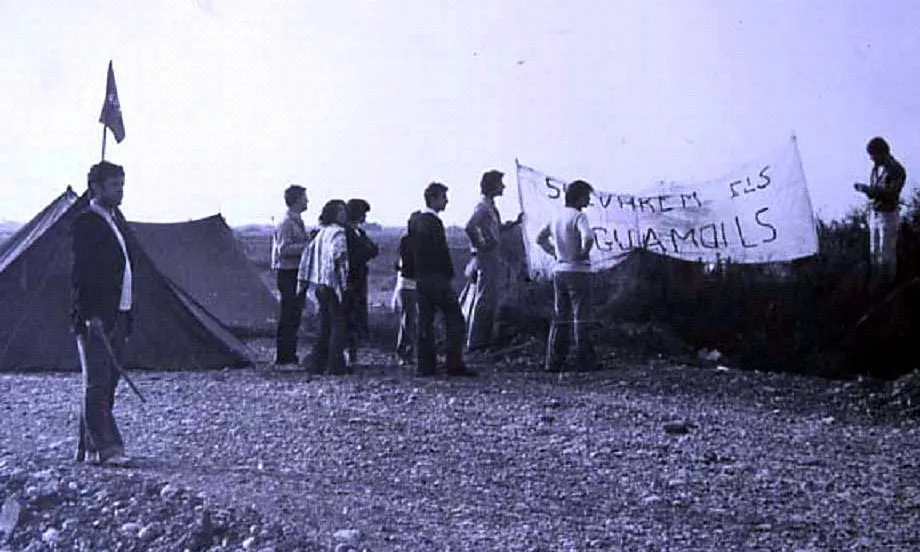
102 280
884 192
288 242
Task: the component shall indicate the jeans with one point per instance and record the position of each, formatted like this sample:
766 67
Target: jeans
292 304
485 299
98 430
407 307
329 348
436 294
883 245
571 319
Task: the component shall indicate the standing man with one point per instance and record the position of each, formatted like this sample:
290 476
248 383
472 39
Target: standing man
433 272
484 230
361 249
884 192
102 281
288 243
568 238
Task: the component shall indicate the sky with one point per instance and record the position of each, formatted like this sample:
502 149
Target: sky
226 102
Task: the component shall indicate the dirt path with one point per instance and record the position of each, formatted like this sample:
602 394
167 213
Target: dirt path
638 457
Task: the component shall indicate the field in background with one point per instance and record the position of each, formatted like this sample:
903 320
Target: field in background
256 242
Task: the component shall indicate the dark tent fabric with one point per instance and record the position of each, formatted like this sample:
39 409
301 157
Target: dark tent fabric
204 258
172 330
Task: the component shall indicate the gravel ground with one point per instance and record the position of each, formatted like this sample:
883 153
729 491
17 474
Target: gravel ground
642 456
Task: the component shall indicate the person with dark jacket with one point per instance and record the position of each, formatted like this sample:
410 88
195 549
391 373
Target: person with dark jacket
884 194
102 281
433 273
361 249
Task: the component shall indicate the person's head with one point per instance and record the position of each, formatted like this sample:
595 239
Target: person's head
578 194
357 210
491 184
878 149
295 197
436 196
333 213
106 183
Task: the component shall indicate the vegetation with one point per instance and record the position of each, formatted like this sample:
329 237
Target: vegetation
797 317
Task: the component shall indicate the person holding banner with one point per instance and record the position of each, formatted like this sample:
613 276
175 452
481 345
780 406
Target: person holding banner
568 238
102 282
481 292
884 192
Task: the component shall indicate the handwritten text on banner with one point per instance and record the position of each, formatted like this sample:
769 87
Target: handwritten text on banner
760 212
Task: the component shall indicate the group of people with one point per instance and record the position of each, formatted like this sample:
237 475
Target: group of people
332 260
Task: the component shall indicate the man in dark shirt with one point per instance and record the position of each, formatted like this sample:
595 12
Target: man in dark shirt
433 271
361 249
102 281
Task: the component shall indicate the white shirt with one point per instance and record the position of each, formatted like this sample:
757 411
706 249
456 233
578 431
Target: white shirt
127 279
572 239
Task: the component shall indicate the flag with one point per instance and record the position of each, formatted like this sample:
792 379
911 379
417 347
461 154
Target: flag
111 109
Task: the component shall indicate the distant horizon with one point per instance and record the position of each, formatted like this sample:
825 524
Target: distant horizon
226 102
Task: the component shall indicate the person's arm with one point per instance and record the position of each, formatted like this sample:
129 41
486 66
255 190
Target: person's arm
304 268
586 234
545 242
477 229
508 225
890 189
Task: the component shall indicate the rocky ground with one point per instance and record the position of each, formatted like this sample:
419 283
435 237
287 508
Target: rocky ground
642 456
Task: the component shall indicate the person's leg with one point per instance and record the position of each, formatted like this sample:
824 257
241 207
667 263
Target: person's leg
454 329
320 352
408 312
288 317
479 326
425 340
582 322
889 246
557 343
338 335
100 379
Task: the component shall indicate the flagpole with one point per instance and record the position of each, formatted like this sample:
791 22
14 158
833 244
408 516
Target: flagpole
104 128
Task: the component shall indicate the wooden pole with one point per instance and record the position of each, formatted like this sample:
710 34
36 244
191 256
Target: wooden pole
104 129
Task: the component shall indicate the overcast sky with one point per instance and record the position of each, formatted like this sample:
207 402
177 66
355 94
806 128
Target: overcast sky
225 102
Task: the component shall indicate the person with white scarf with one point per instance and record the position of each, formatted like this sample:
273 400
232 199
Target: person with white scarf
324 267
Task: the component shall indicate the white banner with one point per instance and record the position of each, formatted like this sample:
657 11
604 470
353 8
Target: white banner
759 213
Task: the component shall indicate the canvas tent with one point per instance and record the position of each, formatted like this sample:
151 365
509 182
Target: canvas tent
205 259
172 329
